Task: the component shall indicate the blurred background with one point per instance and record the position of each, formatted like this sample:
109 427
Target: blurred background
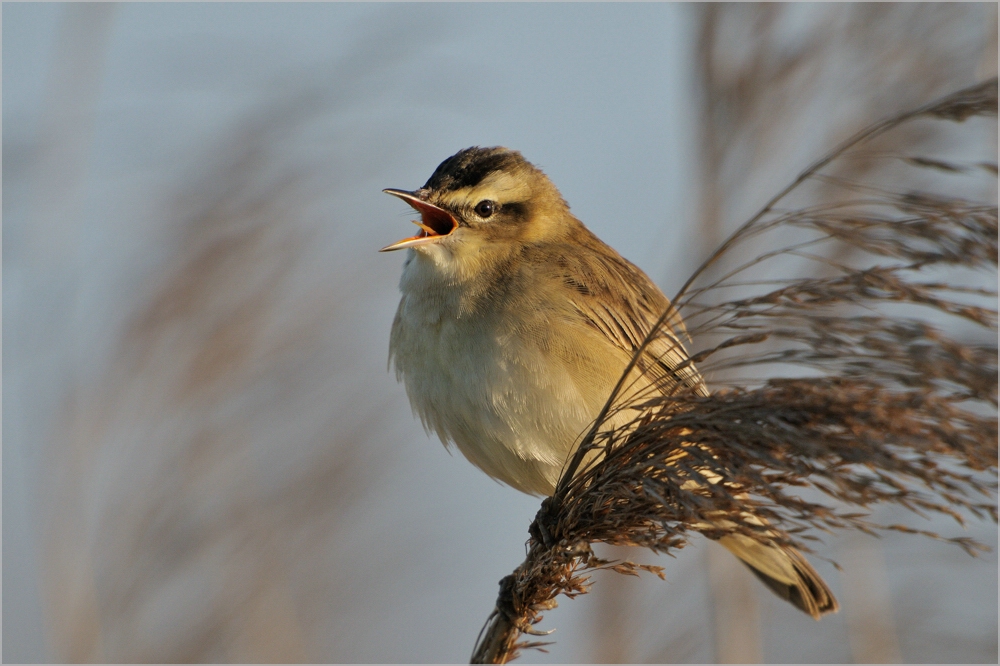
204 456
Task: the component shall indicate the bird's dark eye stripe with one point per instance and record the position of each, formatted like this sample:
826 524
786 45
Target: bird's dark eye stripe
515 211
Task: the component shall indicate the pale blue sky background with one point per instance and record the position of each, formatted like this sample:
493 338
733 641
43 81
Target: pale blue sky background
111 117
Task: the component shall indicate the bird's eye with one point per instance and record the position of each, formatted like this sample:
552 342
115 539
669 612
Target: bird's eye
485 208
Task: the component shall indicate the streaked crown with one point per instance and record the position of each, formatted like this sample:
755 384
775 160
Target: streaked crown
469 167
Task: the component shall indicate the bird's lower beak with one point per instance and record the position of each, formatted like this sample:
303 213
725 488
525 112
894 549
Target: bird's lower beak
435 223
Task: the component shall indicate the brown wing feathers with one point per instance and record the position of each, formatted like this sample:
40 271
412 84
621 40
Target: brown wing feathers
636 305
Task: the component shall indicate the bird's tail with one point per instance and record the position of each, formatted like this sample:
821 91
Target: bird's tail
786 572
781 568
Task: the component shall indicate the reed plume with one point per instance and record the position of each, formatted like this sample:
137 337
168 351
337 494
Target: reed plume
872 380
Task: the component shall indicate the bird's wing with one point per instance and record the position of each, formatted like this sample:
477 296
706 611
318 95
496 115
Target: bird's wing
619 300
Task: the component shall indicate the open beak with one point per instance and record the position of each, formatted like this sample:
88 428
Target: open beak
435 223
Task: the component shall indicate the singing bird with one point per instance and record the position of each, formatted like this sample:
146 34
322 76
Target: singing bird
515 325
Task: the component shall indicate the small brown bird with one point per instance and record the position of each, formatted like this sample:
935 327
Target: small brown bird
516 323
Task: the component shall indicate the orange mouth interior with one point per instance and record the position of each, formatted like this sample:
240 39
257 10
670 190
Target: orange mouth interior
434 221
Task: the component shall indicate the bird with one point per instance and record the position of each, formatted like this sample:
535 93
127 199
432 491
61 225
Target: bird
516 323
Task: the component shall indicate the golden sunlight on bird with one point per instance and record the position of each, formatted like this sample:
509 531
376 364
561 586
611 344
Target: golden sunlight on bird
515 326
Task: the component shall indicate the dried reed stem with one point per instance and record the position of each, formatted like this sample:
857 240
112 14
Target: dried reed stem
857 386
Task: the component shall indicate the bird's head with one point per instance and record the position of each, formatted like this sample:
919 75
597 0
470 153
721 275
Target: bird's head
482 202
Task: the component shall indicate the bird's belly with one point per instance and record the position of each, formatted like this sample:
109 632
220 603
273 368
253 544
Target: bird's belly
511 406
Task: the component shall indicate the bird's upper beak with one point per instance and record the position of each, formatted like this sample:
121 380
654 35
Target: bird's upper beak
435 224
